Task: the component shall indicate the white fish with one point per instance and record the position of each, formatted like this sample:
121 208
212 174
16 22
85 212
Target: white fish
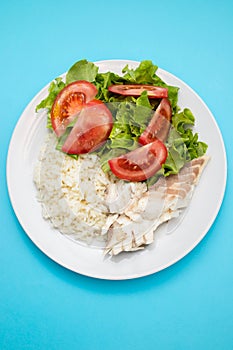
138 211
118 196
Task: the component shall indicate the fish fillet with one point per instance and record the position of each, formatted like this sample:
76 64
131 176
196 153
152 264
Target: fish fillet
144 210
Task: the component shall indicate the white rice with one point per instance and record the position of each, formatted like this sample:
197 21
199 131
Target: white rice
71 192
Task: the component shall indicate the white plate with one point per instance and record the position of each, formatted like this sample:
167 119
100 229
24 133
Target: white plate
26 141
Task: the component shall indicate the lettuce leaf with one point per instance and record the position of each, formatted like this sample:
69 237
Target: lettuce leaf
103 81
54 88
143 74
82 70
182 144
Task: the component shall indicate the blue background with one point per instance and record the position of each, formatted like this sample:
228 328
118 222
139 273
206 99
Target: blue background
43 305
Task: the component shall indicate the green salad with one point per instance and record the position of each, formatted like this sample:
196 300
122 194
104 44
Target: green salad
131 115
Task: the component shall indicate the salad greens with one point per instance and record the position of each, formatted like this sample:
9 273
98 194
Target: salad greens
82 70
54 88
132 115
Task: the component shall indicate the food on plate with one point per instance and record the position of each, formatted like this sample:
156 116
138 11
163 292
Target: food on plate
71 192
140 164
134 226
69 102
120 157
91 130
137 89
160 123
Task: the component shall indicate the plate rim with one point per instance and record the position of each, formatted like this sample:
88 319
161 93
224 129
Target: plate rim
133 275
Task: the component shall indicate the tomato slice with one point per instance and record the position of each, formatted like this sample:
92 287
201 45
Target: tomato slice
159 125
140 164
93 126
69 102
137 89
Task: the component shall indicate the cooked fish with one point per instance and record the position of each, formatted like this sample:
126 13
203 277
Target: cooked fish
138 211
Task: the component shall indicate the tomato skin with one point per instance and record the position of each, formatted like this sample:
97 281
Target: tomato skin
93 103
93 127
69 102
159 125
140 164
137 89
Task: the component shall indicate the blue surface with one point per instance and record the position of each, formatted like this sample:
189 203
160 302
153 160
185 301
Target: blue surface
190 304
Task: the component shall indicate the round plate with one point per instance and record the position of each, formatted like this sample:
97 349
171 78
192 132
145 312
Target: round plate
167 249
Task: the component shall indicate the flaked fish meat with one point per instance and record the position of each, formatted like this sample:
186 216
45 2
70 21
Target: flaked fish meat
136 211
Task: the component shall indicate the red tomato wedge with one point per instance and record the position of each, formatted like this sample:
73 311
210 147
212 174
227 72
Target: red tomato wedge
93 126
136 90
69 102
159 125
140 164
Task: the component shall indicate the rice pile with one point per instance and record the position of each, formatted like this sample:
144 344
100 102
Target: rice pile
72 192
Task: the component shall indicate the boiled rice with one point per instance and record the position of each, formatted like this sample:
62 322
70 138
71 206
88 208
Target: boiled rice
71 192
